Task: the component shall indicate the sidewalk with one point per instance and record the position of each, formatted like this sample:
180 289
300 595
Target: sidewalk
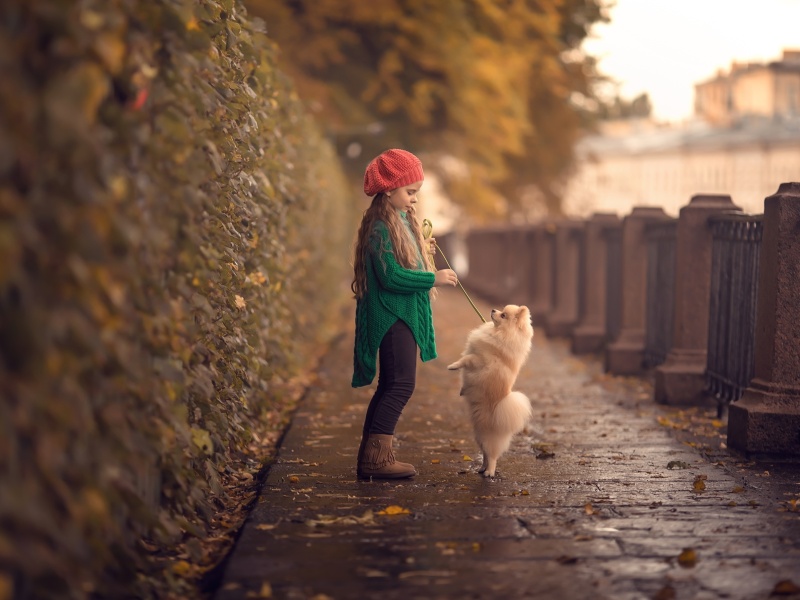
599 498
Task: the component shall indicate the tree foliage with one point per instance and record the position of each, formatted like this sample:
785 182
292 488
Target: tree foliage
492 82
163 199
620 108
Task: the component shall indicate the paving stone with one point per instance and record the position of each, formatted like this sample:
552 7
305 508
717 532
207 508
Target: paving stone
603 517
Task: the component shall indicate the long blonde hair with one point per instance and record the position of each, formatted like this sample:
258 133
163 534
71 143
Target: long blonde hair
407 252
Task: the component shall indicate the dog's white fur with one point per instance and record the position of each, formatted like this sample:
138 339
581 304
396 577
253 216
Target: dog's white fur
490 363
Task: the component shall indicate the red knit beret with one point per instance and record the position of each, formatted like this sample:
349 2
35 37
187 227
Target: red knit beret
390 170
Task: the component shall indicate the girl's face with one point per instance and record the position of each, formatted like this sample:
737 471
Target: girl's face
405 197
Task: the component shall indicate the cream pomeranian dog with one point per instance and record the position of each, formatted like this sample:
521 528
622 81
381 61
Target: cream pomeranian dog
490 363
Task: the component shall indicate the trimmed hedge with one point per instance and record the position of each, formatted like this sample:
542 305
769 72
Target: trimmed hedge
173 246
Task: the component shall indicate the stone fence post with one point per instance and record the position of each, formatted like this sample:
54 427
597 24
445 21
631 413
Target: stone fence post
567 266
590 334
612 236
767 418
520 265
542 273
680 379
487 263
624 355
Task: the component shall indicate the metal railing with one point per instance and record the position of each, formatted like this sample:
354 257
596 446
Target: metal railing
732 315
660 298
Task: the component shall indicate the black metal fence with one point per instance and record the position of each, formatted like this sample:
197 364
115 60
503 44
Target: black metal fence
732 311
660 309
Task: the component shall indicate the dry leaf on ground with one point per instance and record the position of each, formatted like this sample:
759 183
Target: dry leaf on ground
394 510
368 518
677 464
665 593
785 587
699 484
687 558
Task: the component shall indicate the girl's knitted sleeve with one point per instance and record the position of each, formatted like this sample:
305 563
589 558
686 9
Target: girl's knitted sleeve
391 275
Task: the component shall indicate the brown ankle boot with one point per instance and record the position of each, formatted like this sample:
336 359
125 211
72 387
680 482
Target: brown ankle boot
360 459
377 461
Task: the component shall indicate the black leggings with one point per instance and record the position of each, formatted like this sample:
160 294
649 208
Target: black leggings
397 375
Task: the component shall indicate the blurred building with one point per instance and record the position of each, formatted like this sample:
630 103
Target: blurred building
751 90
744 141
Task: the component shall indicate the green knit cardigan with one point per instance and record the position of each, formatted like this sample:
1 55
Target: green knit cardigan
393 292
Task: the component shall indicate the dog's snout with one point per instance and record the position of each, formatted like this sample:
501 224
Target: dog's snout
494 310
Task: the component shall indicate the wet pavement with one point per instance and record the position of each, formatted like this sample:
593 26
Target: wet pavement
605 495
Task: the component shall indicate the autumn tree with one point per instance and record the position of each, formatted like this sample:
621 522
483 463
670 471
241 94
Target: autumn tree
495 84
620 108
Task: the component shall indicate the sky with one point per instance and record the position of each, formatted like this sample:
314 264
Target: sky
664 47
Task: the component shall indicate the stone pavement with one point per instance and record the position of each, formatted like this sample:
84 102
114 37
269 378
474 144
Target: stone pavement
605 495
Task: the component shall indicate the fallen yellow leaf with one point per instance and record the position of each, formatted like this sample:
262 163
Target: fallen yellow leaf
467 458
181 568
687 558
700 483
435 461
666 422
294 479
394 510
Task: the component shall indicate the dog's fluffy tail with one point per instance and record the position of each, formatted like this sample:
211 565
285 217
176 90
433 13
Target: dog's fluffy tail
513 412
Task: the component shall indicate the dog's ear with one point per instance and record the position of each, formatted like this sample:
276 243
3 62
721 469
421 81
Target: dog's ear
523 316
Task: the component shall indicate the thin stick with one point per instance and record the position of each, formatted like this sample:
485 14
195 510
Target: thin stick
459 283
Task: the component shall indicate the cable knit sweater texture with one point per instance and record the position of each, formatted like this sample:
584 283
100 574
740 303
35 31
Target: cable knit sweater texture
393 292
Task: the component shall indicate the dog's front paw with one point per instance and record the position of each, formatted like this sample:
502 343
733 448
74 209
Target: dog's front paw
486 473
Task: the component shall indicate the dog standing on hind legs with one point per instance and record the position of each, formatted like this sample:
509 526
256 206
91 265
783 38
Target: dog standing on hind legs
489 365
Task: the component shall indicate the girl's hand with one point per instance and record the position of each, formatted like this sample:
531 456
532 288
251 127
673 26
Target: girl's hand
432 242
445 277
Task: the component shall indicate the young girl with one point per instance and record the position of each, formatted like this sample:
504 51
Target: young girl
394 274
